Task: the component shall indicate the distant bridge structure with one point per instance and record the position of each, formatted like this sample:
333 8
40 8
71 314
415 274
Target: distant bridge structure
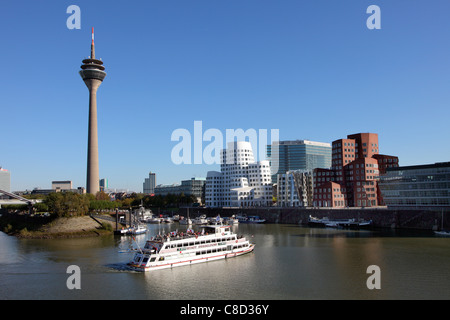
16 199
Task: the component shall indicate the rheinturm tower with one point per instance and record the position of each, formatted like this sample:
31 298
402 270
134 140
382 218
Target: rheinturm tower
93 74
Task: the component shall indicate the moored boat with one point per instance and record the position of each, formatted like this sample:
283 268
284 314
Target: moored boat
201 220
338 223
139 229
231 220
155 220
134 230
250 219
178 249
146 216
167 220
186 222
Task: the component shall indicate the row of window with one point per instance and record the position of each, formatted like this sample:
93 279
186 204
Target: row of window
219 249
194 243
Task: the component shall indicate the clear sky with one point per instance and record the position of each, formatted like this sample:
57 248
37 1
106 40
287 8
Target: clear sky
309 68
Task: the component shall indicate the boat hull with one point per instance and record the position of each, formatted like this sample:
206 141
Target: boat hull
442 233
194 260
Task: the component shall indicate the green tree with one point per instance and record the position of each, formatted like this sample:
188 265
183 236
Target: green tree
101 195
67 204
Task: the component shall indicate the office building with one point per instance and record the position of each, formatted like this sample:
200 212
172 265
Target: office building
194 186
62 185
241 182
419 186
149 183
298 155
104 184
5 180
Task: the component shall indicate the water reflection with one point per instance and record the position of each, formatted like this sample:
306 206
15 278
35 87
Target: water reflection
289 262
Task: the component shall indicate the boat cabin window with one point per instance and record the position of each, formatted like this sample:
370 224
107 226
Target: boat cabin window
152 259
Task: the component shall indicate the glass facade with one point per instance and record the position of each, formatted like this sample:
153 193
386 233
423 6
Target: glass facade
417 186
298 155
194 186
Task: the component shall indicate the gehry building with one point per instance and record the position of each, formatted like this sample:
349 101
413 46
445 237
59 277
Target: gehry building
352 180
241 182
295 189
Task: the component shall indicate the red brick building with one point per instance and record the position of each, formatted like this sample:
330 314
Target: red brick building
352 179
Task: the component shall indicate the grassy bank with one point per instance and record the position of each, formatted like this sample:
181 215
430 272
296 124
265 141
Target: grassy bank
36 227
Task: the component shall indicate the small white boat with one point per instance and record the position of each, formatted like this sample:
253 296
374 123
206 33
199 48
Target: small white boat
186 222
215 220
154 220
339 223
443 233
123 231
200 220
146 216
231 220
140 229
135 230
250 219
167 220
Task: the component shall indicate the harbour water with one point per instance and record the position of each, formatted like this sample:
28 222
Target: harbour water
290 262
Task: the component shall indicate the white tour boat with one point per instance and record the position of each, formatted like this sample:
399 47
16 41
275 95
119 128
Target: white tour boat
179 249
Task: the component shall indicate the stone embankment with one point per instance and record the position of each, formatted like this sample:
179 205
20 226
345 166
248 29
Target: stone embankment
381 217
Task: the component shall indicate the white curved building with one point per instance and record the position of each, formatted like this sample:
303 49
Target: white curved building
241 182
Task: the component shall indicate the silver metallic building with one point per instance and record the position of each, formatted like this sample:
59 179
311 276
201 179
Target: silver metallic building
418 186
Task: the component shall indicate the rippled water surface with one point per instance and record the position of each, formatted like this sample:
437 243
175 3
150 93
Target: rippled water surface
289 262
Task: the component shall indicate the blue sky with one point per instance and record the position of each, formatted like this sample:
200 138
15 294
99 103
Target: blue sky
309 68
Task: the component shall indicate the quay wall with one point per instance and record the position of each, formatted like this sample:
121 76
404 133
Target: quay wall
381 217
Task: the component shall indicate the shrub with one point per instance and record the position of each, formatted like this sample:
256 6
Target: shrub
107 226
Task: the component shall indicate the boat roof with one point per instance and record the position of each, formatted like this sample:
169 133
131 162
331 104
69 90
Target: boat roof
213 228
